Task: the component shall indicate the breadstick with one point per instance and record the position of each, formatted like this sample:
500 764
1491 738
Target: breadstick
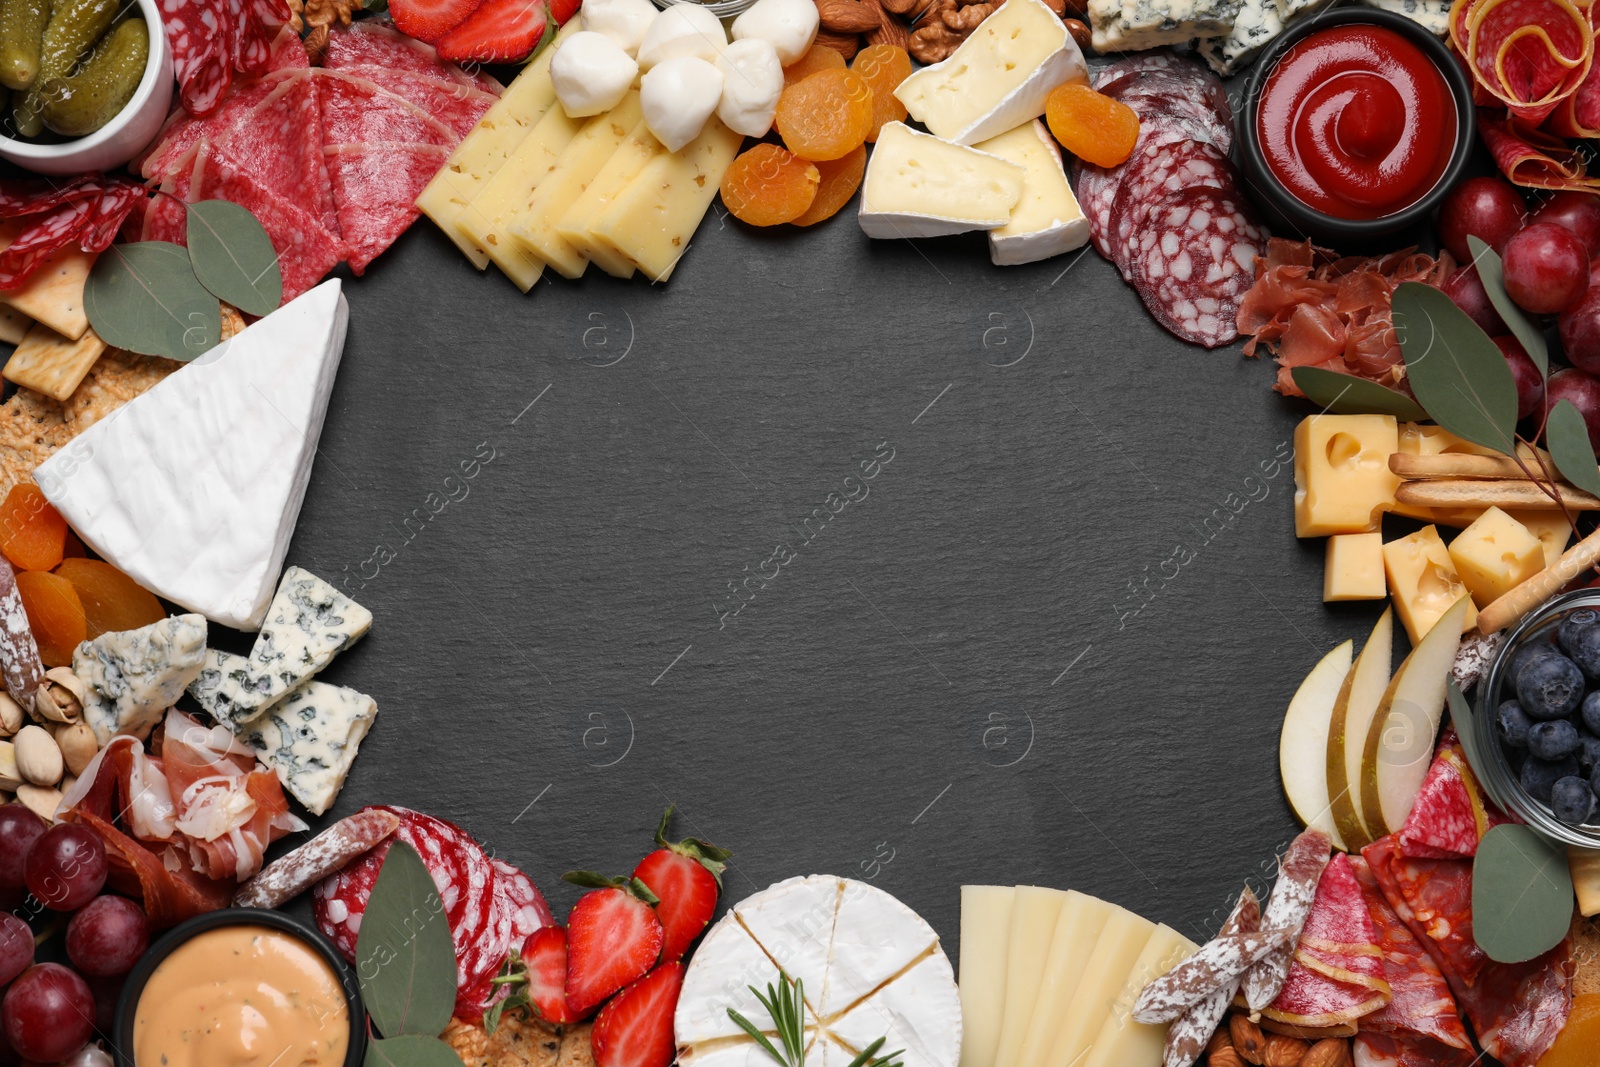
1483 493
1456 465
1536 590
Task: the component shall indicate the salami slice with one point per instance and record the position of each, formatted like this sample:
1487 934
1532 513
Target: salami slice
1153 173
1194 261
1385 1050
355 110
1530 55
1194 115
19 653
1519 1009
1578 116
200 34
1188 81
1138 63
1287 910
1434 899
1337 973
183 131
458 107
1451 814
279 142
1533 158
376 185
1188 1036
376 43
43 236
326 854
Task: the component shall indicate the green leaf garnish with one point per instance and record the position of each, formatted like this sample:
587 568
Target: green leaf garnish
786 1005
869 1056
144 298
1345 394
1459 375
513 982
405 959
1521 894
1567 437
1492 274
412 1050
233 257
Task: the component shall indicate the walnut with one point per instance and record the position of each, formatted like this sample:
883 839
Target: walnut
296 23
317 43
965 19
327 12
933 41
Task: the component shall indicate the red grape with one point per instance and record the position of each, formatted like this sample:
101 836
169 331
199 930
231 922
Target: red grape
106 991
66 866
19 829
1578 212
1584 392
1547 269
1530 395
16 947
49 1013
1580 333
110 934
1488 208
1466 289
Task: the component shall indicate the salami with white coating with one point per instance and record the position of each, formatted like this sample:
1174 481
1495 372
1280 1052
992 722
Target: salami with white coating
19 653
1188 1035
294 872
1287 910
1218 962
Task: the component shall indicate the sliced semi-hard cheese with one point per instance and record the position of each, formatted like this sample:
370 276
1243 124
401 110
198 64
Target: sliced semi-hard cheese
1256 25
653 219
998 77
193 488
1047 220
985 940
1116 950
920 1012
620 170
1033 926
921 186
134 676
485 149
1123 1042
310 739
874 937
580 162
1077 930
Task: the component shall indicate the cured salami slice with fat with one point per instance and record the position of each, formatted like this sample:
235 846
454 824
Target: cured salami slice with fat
1337 973
375 44
355 110
1533 158
457 106
1287 910
1451 814
1433 898
1153 173
1195 260
376 185
1529 55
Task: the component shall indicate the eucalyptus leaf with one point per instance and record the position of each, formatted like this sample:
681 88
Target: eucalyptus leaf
233 257
1521 894
405 959
1345 394
1464 717
1492 273
1567 437
1459 375
144 298
412 1050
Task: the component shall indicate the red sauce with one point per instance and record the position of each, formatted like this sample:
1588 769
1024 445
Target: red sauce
1356 121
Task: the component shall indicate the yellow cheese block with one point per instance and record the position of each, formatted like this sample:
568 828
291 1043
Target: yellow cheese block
49 363
1077 930
1495 555
1584 864
534 227
985 941
484 150
652 221
1423 582
1123 1042
620 170
1033 926
1550 527
1341 473
1115 952
1354 569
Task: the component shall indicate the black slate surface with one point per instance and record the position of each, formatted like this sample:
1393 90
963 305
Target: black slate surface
1051 640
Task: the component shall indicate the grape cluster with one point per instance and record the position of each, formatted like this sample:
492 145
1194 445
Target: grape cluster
49 1012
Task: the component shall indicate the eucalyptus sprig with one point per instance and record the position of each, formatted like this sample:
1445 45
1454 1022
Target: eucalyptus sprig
786 1005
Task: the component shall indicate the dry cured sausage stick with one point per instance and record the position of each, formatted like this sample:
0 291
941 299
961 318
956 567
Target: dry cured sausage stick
1187 1037
294 872
1287 910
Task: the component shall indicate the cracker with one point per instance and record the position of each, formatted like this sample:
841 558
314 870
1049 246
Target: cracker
1585 956
516 1042
49 363
116 379
13 325
31 429
54 293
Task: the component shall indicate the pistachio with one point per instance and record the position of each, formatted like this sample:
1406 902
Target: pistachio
67 782
39 758
61 696
9 778
11 715
39 799
78 745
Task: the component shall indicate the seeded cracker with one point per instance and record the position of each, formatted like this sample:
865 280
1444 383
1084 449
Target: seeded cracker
516 1042
114 380
31 428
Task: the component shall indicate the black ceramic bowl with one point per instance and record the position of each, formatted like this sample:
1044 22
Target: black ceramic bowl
1286 211
133 988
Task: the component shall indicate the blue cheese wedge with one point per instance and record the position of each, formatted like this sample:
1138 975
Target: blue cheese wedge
220 690
920 186
1431 15
1135 25
308 624
1258 22
310 739
1047 220
134 676
1290 10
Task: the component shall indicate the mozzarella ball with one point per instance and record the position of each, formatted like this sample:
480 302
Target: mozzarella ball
624 21
678 96
591 73
791 26
684 29
752 79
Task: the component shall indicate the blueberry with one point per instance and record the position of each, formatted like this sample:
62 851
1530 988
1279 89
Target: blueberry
1594 782
1591 712
1588 752
1572 801
1586 650
1552 740
1574 624
1550 687
1513 723
1528 653
1538 776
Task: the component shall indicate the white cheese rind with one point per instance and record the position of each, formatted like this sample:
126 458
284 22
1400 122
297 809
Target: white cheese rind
134 676
996 79
1258 22
308 623
310 739
734 962
920 1012
193 488
874 938
918 185
1047 220
793 922
1431 15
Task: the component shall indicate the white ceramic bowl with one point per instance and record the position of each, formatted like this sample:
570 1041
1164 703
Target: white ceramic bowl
119 140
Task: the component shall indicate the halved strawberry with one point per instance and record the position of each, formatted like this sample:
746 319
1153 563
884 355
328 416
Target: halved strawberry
687 876
562 10
545 955
635 1029
501 31
429 20
613 937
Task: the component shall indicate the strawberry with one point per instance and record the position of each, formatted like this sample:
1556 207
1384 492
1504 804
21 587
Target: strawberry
613 937
545 955
501 31
562 10
635 1029
687 876
429 20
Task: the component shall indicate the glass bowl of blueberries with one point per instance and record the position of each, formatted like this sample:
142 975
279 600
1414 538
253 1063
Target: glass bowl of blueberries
1538 727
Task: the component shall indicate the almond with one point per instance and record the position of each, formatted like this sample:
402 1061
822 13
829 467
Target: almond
1248 1040
848 16
1227 1056
1219 1040
1280 1051
1329 1052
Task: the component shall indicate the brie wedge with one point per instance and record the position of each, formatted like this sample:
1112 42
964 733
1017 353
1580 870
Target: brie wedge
921 186
193 488
1047 220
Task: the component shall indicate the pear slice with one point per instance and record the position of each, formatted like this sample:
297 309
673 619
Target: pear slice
1347 733
1399 746
1303 745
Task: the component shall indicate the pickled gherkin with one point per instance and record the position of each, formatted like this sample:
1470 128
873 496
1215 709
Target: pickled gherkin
74 28
22 24
103 85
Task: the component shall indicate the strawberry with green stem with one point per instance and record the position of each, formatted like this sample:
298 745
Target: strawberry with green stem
613 938
687 877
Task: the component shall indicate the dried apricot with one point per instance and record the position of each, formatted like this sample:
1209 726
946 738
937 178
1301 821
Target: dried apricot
32 531
1575 1045
884 67
767 185
73 546
820 57
840 180
55 615
111 600
825 115
1091 125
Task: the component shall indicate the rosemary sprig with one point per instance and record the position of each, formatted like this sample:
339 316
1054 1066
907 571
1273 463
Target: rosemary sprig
869 1056
786 1005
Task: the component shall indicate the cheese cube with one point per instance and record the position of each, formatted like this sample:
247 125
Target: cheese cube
1047 220
1495 555
998 77
619 172
1423 582
1550 527
1341 473
1460 518
534 227
652 220
1354 570
921 186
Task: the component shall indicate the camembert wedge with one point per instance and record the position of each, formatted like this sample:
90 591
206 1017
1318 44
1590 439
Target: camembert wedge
918 185
1047 220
